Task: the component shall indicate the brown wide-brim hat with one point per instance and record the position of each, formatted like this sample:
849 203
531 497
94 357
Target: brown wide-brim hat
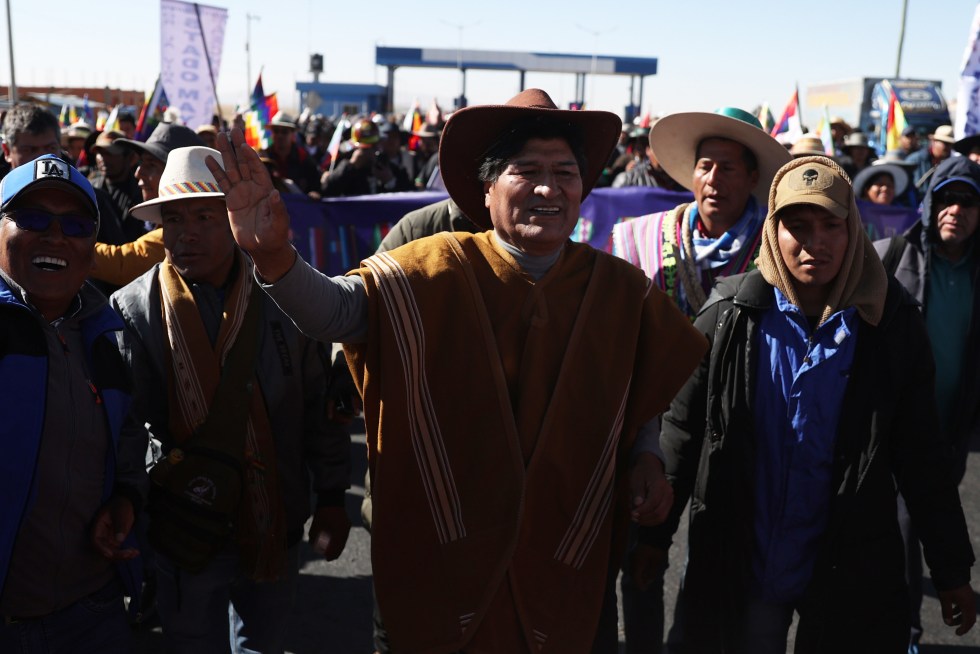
675 140
470 132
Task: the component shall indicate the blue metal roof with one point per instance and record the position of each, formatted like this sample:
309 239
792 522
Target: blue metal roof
528 61
341 88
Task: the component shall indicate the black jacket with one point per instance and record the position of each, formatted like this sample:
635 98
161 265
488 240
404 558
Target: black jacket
912 270
857 598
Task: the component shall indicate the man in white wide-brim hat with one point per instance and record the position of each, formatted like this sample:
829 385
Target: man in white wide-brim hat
728 161
184 320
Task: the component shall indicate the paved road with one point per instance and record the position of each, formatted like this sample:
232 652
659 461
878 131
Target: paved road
333 607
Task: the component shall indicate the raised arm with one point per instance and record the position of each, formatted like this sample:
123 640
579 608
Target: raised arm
329 309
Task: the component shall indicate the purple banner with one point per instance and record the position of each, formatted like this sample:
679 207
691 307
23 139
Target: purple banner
335 234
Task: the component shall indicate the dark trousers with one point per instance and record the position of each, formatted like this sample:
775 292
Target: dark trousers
95 624
913 569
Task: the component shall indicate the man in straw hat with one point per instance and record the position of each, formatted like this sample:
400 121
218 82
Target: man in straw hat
184 320
514 369
815 401
727 159
939 148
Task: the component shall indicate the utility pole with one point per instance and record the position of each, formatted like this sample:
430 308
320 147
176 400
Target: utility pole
459 58
248 52
595 57
901 39
10 43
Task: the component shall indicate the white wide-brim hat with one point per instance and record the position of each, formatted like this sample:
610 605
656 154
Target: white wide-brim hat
675 139
185 176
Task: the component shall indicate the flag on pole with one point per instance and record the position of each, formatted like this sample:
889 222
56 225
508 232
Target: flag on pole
87 111
333 148
967 121
434 115
151 115
788 128
412 124
765 118
895 122
191 40
110 121
263 108
408 124
825 133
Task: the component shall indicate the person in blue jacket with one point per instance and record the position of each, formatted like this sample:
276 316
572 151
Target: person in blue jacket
72 473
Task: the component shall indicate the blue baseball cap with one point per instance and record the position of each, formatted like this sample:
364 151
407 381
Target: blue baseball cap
47 171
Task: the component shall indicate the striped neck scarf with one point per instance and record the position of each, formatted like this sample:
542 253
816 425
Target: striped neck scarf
193 378
712 253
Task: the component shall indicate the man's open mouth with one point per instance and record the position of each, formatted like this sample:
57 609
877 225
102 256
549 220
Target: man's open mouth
49 263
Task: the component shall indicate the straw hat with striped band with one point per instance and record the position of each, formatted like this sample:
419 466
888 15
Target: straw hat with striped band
675 140
185 176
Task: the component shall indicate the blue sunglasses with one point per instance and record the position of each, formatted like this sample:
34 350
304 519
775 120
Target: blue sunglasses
35 220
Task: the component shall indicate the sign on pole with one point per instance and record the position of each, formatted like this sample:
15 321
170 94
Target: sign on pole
968 101
191 38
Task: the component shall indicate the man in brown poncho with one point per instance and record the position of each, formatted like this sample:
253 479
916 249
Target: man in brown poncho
505 378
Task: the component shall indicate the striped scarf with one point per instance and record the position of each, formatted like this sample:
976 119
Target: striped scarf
193 379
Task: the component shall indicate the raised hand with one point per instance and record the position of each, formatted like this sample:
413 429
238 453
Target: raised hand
258 217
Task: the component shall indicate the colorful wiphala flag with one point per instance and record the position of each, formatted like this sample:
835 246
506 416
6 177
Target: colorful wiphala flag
262 108
151 114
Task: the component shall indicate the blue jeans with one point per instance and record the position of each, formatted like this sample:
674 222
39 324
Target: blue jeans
220 610
93 624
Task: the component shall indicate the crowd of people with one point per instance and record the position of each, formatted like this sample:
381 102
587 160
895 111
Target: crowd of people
180 417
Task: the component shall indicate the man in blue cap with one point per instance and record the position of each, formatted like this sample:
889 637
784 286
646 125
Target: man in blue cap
937 262
728 161
72 468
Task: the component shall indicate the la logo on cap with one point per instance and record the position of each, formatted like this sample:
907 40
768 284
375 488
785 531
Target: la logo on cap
50 168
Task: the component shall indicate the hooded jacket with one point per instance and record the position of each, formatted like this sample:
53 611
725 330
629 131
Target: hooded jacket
912 272
857 593
884 441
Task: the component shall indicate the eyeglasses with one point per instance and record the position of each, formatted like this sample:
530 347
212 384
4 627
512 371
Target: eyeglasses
35 220
949 198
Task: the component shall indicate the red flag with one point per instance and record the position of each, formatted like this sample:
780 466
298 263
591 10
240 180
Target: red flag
792 110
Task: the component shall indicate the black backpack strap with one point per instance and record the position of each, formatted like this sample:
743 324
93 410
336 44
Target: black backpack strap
893 254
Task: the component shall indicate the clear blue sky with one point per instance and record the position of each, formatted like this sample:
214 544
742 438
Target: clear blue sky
711 53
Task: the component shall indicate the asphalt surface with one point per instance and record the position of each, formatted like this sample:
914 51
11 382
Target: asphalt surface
332 613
